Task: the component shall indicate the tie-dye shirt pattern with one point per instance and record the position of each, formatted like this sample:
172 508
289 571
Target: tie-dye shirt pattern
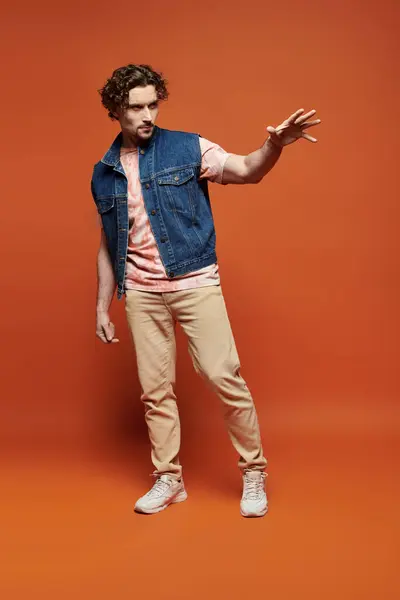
144 268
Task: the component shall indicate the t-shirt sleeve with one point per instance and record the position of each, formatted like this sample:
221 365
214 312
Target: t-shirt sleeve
213 159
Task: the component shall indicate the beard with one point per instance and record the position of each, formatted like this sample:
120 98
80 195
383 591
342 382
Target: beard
145 131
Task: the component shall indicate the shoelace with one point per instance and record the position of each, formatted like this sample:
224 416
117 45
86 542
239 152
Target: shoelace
158 489
253 488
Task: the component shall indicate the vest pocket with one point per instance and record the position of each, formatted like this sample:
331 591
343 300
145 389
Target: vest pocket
177 189
176 178
105 203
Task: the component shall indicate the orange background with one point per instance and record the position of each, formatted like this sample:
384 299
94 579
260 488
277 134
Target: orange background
309 261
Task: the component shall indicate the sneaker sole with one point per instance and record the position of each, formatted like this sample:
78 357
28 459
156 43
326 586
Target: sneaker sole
254 515
181 497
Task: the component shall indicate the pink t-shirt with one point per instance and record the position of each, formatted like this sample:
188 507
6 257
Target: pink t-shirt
144 268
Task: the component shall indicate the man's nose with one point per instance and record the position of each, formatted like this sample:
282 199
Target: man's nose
146 115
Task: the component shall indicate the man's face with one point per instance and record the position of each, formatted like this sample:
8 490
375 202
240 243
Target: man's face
139 118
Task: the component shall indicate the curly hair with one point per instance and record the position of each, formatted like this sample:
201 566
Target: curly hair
115 92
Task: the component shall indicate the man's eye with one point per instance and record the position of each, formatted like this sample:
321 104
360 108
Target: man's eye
154 105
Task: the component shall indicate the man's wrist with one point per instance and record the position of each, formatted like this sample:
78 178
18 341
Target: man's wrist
276 146
101 310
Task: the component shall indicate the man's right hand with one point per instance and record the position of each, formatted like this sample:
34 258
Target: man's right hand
105 330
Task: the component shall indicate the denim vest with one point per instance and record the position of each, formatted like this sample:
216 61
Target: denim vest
177 203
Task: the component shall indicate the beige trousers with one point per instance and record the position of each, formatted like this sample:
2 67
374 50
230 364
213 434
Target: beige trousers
152 317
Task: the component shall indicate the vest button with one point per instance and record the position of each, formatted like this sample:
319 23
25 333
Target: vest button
153 212
171 274
176 178
163 240
147 186
142 152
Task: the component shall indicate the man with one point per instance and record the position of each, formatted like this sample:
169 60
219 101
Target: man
158 249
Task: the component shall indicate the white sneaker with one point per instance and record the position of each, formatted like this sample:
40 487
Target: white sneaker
164 492
254 501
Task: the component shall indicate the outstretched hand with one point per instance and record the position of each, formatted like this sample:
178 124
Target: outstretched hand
293 128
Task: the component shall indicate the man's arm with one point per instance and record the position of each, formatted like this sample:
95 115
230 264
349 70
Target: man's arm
105 330
253 167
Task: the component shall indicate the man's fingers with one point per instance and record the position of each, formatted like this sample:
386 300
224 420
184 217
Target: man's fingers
293 128
109 331
102 336
295 115
274 131
300 120
310 124
309 137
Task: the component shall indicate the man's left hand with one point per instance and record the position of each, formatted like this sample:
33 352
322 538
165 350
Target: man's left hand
293 128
